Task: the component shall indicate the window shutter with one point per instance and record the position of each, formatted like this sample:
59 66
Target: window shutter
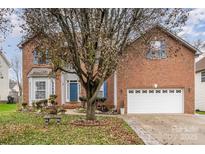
105 89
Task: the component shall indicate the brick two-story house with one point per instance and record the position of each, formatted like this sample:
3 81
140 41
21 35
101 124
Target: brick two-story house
148 80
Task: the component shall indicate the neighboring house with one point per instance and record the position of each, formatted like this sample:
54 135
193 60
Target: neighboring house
200 85
14 90
4 77
158 80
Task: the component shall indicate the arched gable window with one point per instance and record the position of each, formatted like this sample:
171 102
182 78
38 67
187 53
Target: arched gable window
156 50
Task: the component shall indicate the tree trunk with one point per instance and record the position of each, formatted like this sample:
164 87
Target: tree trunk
91 93
90 111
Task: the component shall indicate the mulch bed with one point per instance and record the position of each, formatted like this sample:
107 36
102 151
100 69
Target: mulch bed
90 122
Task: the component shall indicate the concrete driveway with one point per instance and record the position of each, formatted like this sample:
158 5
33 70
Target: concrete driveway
168 129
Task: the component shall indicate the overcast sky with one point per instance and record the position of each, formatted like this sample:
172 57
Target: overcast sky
192 31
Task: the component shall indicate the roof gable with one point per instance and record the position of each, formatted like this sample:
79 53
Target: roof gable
200 65
5 59
172 35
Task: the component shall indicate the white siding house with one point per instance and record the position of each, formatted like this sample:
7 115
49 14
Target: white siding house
200 85
4 77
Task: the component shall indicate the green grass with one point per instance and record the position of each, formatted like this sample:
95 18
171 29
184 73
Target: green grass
7 108
200 112
29 128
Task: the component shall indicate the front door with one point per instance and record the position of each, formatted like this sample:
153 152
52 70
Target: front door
73 91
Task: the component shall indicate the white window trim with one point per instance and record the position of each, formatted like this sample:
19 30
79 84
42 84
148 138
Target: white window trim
35 89
68 90
54 86
32 82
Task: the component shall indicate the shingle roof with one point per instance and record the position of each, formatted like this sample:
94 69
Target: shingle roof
200 65
39 72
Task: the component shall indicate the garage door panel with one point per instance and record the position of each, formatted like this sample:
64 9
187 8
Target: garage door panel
155 101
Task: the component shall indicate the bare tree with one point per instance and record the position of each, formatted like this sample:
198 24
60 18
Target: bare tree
16 67
199 44
5 25
93 40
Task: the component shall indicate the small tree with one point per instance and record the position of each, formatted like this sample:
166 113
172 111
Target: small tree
93 40
16 67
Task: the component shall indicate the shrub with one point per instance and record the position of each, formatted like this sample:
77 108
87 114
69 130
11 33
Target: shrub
83 100
33 104
52 99
24 105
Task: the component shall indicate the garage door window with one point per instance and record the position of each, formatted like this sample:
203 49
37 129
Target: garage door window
144 91
137 91
131 91
171 91
151 91
158 91
178 91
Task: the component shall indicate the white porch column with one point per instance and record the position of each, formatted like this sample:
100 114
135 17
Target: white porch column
115 90
62 88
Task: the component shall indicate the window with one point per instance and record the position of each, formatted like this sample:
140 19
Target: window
35 57
202 76
156 50
131 91
137 91
171 91
151 91
158 91
40 57
40 91
144 91
178 91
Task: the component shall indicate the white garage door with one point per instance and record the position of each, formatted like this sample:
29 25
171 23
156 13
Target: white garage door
155 100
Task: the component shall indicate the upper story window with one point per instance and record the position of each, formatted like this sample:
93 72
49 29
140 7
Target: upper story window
203 76
40 57
156 50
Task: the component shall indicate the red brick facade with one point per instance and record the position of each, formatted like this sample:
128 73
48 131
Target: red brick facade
136 71
176 71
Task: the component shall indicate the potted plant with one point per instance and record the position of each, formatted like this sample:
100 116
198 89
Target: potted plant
122 110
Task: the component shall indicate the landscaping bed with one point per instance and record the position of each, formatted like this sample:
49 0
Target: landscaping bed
29 128
200 112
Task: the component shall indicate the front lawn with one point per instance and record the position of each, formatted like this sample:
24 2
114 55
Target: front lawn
28 128
200 112
7 108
